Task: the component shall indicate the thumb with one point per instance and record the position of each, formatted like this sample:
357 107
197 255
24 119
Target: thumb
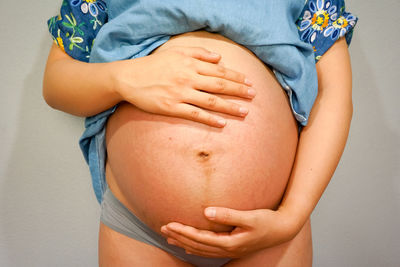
229 216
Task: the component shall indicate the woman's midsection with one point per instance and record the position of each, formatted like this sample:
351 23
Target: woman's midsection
168 169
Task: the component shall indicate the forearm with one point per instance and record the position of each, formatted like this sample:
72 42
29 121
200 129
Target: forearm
322 141
78 88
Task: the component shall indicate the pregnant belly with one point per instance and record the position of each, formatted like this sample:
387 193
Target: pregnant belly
168 169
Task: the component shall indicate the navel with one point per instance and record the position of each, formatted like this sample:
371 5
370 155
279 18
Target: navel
203 155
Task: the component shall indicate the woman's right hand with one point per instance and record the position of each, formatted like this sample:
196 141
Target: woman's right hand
181 82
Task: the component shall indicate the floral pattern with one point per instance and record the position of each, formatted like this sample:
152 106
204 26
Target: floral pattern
75 29
323 22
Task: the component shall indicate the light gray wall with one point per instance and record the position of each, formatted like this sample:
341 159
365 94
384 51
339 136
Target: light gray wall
48 212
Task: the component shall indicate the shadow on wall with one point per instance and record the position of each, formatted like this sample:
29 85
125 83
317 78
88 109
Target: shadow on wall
361 208
49 215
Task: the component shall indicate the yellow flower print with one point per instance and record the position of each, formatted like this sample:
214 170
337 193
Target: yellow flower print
340 23
89 1
317 18
339 27
320 20
60 43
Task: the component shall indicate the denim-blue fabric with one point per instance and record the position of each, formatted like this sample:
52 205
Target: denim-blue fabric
268 28
74 30
278 32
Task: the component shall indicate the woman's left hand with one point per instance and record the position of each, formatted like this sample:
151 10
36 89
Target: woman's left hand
253 230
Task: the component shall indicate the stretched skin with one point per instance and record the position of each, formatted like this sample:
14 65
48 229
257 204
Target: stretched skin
168 169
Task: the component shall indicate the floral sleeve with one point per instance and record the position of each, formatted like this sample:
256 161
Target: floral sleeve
323 22
77 25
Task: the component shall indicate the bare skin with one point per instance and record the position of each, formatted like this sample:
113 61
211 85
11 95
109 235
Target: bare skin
156 84
320 147
329 120
116 250
209 166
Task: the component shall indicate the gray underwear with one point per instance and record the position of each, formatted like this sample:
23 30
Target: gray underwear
116 216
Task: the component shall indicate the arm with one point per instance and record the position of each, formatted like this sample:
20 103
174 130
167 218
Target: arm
71 84
319 150
168 83
175 82
77 87
323 140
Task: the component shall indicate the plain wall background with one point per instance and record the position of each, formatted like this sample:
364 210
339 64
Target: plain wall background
48 212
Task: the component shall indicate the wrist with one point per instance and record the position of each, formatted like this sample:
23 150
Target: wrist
113 72
292 219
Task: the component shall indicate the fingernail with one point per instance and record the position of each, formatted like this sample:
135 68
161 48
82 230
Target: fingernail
210 213
248 82
214 54
243 111
164 229
251 92
221 122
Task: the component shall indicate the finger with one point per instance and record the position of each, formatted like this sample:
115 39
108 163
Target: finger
189 250
244 219
223 86
215 103
199 53
219 70
190 244
205 237
193 113
176 239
